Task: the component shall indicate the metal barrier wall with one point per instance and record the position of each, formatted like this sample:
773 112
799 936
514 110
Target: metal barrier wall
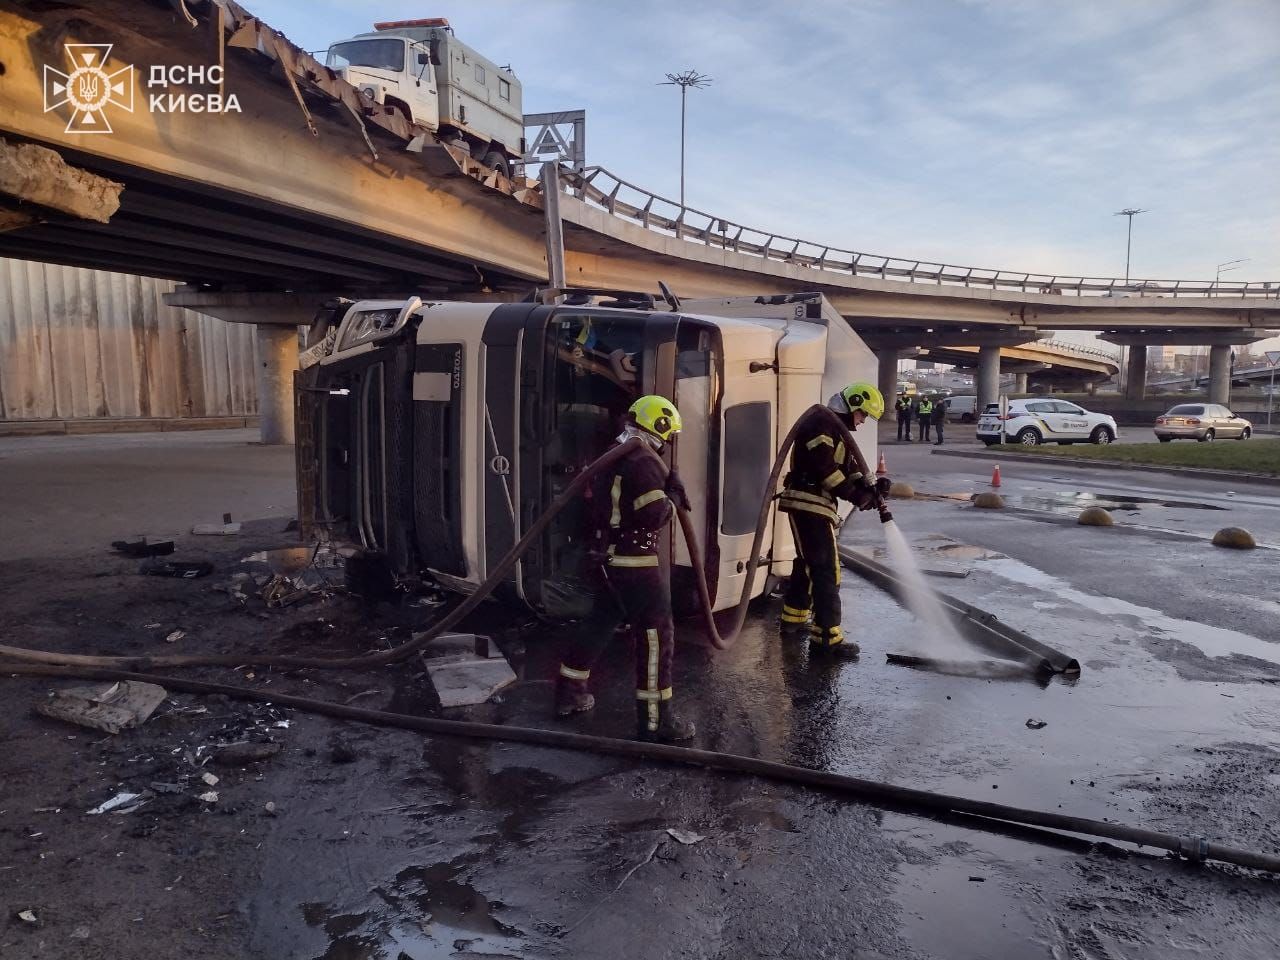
85 343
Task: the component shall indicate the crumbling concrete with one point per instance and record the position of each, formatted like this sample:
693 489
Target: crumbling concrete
39 176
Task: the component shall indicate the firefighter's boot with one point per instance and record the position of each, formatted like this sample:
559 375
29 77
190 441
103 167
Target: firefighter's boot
669 727
829 643
795 622
572 697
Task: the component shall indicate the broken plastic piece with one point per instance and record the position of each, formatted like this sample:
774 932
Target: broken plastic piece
122 802
226 528
686 837
183 570
141 548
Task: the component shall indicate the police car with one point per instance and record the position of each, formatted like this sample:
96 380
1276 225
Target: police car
1036 420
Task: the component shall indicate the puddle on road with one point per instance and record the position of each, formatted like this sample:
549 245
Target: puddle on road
1210 640
1069 504
433 915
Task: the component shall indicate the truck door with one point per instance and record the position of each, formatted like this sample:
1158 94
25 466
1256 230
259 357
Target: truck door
420 87
748 424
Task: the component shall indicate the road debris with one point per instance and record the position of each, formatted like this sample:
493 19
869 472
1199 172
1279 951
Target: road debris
1034 724
28 916
120 803
239 754
142 548
687 837
175 636
270 808
210 796
226 528
121 706
210 779
182 570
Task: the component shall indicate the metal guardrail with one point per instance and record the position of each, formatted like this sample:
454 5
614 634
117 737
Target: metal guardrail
600 188
1079 350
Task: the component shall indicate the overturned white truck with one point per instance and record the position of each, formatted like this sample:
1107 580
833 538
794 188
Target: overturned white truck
436 433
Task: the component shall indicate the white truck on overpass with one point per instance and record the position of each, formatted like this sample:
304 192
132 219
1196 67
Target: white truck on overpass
421 71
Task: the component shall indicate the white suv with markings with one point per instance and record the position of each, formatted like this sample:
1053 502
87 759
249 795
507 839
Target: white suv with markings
1037 420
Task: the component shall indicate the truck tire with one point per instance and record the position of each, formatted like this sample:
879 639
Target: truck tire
496 161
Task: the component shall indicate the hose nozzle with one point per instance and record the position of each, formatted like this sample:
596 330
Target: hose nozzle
885 515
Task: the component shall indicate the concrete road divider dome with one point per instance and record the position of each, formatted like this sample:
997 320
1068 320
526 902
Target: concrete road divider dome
901 491
1095 517
1234 538
989 501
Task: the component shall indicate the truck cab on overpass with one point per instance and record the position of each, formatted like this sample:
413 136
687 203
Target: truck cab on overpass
419 70
437 433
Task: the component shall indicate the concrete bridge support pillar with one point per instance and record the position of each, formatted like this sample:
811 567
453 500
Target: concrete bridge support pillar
1220 373
277 360
888 375
1135 381
1019 383
988 380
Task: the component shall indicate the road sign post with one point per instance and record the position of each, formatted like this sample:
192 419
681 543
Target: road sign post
1273 360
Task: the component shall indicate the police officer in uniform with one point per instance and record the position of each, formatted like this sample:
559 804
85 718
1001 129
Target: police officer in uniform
822 471
634 504
925 413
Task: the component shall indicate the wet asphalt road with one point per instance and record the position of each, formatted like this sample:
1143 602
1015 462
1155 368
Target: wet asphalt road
1174 724
422 849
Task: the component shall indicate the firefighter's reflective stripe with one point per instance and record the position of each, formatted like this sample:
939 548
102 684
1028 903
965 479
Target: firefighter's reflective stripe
647 560
803 497
794 615
653 496
819 440
654 696
651 638
572 674
839 451
828 637
793 500
833 479
615 515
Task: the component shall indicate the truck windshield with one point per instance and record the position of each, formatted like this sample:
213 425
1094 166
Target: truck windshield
379 54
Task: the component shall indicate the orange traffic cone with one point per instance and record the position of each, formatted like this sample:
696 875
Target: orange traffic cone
881 469
995 475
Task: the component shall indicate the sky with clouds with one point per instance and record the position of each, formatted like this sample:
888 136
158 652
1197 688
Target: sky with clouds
991 133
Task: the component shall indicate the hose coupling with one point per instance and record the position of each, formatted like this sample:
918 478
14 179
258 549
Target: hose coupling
1195 849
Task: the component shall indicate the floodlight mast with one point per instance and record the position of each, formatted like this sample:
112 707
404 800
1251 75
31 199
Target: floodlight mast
685 80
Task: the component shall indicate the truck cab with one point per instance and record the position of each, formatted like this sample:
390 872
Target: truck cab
418 70
437 433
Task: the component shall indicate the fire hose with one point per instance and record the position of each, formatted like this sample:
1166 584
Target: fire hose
720 640
18 660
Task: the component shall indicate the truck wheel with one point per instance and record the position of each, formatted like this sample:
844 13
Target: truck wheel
496 161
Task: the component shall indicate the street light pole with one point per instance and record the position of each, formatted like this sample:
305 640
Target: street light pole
1224 267
690 78
1129 212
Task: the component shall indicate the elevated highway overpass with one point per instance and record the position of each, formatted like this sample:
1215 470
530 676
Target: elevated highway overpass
310 191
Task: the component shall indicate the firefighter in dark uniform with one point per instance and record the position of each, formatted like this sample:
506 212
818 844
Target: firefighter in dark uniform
822 471
634 503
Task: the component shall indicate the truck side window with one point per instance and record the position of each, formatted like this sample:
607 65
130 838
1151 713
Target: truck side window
748 454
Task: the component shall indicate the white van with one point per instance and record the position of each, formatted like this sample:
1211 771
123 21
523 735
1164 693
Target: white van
963 409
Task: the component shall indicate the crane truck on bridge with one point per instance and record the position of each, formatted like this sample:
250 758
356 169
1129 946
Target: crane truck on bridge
436 434
421 71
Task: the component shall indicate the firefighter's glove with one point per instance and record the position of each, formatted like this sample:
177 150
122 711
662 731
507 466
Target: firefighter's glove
883 484
676 492
865 497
